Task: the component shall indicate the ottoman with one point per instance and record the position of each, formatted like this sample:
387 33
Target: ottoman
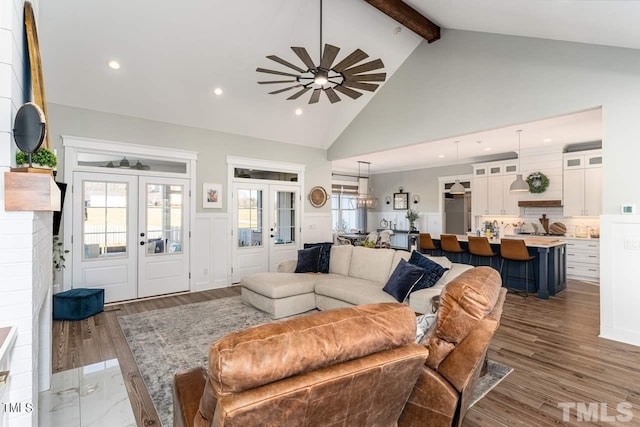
280 294
77 304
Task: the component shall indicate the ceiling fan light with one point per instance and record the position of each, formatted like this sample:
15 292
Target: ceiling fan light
519 185
457 188
321 77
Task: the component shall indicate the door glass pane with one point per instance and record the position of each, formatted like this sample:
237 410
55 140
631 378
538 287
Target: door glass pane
104 229
249 218
284 214
164 231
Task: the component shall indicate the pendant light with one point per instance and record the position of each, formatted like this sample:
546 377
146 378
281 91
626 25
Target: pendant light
457 188
364 198
519 185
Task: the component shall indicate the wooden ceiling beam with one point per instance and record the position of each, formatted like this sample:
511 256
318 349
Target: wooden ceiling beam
409 17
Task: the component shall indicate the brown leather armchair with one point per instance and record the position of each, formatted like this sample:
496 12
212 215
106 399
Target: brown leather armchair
468 315
354 366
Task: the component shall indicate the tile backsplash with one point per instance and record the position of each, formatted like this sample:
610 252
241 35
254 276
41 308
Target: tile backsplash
533 215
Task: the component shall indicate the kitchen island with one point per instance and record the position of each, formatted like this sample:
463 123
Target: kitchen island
550 263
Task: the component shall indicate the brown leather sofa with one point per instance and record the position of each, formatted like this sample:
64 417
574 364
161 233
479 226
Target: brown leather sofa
352 366
355 366
468 316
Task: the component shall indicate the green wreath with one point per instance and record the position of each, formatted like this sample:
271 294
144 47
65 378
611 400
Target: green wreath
538 182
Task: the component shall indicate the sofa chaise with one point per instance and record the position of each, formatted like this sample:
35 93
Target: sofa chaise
356 276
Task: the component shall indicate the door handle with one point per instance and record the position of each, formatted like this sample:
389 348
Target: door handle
141 234
142 243
273 235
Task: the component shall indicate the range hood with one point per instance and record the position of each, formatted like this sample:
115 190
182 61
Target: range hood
540 203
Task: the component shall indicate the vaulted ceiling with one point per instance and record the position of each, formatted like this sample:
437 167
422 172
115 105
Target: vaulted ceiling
174 54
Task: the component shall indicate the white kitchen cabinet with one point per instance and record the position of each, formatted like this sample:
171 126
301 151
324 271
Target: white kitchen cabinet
582 186
490 193
479 196
583 259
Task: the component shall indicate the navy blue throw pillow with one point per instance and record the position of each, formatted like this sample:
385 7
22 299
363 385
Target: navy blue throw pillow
325 253
432 270
402 280
308 260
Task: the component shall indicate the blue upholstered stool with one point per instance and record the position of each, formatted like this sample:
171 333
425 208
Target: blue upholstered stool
78 304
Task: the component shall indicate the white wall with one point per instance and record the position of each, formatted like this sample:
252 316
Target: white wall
468 82
25 240
212 147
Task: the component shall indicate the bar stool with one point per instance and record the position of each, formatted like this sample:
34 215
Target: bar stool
480 247
449 243
516 250
426 243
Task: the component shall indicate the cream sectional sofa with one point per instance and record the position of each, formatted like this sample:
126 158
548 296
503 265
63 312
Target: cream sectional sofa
356 276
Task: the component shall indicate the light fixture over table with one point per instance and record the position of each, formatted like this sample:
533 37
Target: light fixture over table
364 198
519 185
342 77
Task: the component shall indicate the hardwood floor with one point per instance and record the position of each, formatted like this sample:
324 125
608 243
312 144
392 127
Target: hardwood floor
552 345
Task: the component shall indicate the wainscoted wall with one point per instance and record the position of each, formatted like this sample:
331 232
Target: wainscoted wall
619 260
210 260
316 227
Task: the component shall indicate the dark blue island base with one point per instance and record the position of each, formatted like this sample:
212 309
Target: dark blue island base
549 266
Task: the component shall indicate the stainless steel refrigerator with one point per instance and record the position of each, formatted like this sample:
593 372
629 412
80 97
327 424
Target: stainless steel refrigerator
457 214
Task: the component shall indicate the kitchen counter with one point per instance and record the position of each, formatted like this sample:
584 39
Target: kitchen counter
530 241
550 262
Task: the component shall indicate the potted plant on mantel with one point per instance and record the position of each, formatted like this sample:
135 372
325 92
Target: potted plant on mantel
43 159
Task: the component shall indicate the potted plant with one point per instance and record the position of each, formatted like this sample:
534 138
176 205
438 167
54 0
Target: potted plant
59 253
43 158
412 216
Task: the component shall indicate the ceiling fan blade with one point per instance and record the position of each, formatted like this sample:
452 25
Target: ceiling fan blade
280 73
286 63
315 96
353 94
329 54
304 57
277 81
358 85
368 66
284 90
299 93
376 77
332 95
353 58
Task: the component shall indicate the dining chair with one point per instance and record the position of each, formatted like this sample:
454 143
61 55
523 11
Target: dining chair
480 248
384 240
449 243
515 250
343 240
427 244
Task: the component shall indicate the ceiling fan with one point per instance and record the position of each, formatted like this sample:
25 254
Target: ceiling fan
344 76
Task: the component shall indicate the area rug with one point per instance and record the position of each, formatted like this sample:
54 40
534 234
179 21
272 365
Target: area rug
168 340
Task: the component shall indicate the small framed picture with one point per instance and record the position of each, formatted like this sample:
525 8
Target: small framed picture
401 201
211 195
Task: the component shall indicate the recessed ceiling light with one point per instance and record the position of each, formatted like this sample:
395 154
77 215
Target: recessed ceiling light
487 148
298 111
217 91
441 156
547 140
113 64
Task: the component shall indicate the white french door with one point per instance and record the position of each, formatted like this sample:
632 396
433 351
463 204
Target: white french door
163 227
130 235
266 226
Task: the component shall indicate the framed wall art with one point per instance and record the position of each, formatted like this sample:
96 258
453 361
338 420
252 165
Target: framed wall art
211 195
401 201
